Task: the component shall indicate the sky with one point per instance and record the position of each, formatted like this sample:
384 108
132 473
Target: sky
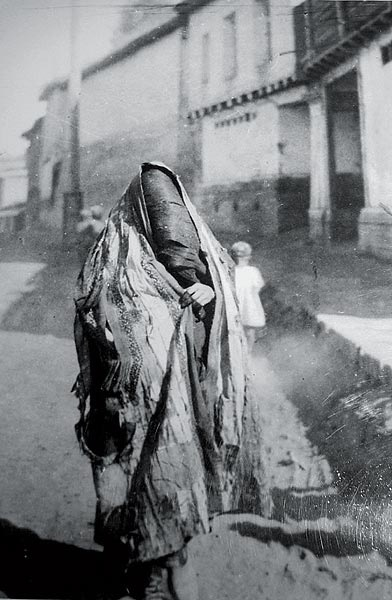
35 49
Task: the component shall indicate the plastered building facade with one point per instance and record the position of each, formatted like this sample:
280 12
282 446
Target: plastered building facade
276 117
129 113
347 61
250 115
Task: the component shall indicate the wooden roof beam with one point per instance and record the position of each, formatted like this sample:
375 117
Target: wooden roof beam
386 19
330 60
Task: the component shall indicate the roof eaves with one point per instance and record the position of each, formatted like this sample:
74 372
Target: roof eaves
189 6
35 127
243 98
119 55
59 84
135 45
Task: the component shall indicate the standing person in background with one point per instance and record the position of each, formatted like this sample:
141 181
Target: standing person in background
88 229
97 221
248 283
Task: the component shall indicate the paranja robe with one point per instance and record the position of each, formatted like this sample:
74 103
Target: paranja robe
167 446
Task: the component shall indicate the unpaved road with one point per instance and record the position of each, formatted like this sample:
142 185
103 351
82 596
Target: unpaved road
312 549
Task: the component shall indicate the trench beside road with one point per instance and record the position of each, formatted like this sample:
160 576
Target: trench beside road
325 537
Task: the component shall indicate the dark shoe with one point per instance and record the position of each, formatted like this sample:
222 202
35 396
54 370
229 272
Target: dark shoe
155 588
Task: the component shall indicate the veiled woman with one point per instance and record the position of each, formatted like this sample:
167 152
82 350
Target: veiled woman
162 384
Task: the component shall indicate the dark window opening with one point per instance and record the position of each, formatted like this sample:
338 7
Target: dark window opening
205 59
56 172
386 53
230 46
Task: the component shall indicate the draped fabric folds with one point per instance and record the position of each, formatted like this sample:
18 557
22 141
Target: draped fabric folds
163 438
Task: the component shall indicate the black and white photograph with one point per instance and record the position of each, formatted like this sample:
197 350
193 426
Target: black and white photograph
196 300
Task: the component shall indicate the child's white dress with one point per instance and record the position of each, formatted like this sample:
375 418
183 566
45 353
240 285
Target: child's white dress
248 283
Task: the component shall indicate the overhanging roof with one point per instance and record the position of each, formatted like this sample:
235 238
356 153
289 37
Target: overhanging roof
319 64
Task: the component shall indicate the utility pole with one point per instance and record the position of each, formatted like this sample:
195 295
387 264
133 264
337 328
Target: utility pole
73 199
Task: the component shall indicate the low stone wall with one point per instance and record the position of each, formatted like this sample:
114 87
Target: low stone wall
375 232
242 208
262 207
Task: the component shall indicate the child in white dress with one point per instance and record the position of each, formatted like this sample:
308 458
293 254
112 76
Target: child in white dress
248 283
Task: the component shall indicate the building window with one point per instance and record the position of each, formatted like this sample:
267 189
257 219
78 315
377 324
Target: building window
386 53
205 58
56 172
261 34
230 46
244 118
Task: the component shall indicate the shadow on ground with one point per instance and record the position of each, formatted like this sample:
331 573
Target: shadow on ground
325 524
344 524
303 505
320 543
35 568
32 567
48 307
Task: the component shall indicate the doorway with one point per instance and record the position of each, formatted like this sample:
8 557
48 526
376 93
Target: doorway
293 186
56 175
345 157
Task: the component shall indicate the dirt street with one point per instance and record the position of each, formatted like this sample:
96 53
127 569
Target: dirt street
314 546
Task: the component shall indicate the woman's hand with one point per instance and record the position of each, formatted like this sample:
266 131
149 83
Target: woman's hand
200 294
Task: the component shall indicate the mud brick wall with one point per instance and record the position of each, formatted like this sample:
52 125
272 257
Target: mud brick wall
241 208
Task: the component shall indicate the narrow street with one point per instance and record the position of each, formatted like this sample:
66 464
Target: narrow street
45 483
275 118
317 544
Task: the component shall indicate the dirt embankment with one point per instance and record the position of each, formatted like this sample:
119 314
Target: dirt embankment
343 398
